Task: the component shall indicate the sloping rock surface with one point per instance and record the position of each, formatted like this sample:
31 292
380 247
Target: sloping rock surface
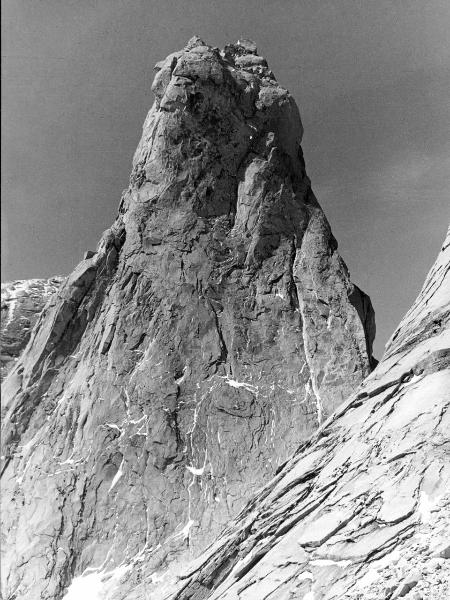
22 303
362 510
179 365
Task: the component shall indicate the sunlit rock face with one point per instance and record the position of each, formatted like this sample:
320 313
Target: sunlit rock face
180 365
362 509
22 303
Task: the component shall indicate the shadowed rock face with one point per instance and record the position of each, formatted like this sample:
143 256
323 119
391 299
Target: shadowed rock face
22 303
362 510
213 330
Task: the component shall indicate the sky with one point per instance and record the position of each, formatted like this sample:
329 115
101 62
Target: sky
371 78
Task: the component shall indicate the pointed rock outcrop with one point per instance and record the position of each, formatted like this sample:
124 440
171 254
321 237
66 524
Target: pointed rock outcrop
212 331
22 304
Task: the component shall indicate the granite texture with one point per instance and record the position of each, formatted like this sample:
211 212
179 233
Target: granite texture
362 509
212 331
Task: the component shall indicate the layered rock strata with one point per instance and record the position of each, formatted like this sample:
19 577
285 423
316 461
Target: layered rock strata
362 509
22 303
178 367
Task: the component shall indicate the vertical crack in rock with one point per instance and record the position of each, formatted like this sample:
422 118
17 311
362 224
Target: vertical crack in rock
312 381
187 358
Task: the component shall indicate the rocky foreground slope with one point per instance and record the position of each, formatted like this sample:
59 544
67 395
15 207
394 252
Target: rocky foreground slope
179 365
362 510
22 303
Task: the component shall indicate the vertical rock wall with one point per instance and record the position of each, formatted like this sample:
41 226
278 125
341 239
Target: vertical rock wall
213 330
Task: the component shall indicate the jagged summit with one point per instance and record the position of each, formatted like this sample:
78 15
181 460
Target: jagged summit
22 303
214 328
231 52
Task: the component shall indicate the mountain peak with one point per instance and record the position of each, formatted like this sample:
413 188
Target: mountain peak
212 331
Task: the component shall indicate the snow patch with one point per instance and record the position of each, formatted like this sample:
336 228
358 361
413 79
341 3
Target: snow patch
68 461
239 384
113 426
117 476
184 533
426 505
180 380
136 421
95 586
327 562
195 471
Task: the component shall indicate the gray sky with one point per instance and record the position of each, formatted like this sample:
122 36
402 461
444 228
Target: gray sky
371 78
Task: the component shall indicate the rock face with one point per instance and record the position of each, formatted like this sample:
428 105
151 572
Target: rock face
22 303
212 331
362 510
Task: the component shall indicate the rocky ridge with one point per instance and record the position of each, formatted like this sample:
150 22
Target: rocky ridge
22 303
178 366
